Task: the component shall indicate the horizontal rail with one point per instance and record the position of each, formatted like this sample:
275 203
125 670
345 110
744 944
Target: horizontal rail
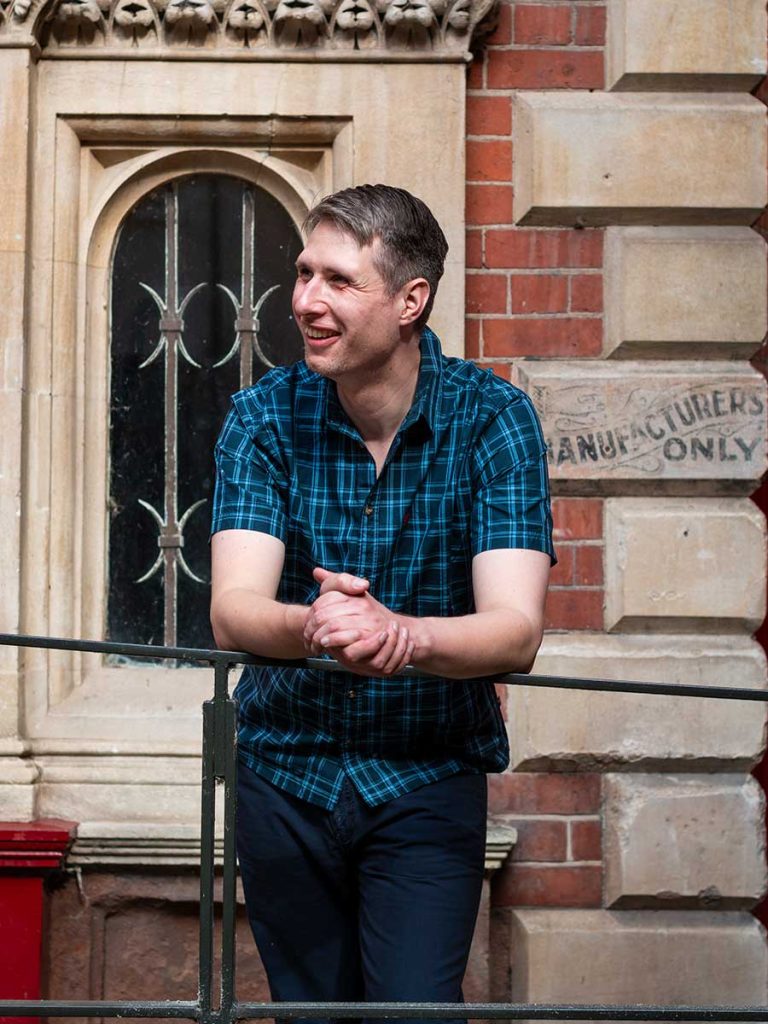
219 657
388 1011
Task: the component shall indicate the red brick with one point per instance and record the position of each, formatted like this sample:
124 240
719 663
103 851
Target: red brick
545 69
539 840
489 161
587 293
521 885
535 24
543 337
578 518
562 574
476 72
539 293
474 253
502 34
586 840
574 609
471 339
590 26
489 115
523 249
502 370
489 204
540 793
486 293
588 570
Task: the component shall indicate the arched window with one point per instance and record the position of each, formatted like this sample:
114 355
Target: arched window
201 285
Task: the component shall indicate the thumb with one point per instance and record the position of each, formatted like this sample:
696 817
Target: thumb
344 582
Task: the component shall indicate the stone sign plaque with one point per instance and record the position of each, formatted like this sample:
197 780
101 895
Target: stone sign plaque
609 421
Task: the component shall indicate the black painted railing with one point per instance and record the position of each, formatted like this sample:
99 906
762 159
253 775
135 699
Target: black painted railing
219 764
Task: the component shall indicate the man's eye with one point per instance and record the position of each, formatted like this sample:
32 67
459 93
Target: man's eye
338 279
303 273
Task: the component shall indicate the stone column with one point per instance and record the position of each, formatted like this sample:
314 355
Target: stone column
16 791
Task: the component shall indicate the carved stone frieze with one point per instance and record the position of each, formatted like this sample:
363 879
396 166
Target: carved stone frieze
370 28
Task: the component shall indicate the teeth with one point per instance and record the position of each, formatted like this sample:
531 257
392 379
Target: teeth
316 333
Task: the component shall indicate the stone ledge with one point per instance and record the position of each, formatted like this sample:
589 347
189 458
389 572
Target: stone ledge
652 158
684 841
676 292
571 730
673 45
645 957
678 565
148 844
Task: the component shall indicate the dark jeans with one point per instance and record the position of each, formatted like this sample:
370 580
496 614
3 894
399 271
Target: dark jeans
363 903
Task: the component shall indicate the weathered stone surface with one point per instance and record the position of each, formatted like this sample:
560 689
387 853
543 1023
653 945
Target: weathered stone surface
135 936
17 788
608 424
660 159
677 565
683 840
579 730
637 957
14 126
684 291
685 44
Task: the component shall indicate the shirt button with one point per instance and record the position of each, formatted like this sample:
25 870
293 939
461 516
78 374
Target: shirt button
368 509
351 694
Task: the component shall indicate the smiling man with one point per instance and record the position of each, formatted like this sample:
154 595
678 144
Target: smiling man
387 506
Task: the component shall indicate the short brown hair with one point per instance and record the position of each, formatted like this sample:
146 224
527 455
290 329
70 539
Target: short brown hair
412 243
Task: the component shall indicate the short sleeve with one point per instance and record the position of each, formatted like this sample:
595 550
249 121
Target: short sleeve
250 480
511 506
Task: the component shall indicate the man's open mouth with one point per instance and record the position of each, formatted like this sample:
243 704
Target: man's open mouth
319 334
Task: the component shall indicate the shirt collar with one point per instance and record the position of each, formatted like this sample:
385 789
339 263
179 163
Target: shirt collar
426 399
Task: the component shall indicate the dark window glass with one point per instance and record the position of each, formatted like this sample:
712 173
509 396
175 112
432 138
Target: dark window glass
201 306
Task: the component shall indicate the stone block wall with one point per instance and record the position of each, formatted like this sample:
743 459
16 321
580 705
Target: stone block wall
615 166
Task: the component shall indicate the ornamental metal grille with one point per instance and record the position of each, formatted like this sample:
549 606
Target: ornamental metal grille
202 277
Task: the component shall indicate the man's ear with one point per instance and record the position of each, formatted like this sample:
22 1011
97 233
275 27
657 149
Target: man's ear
414 297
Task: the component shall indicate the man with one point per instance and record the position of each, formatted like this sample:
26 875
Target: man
386 506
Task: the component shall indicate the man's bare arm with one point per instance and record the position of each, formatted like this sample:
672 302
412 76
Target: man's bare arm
245 615
502 635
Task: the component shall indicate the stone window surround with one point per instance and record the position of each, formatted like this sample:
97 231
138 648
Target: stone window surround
94 156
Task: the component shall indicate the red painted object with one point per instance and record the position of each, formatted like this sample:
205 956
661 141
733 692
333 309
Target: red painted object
28 851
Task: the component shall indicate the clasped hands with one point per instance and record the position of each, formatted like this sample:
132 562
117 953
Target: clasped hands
356 629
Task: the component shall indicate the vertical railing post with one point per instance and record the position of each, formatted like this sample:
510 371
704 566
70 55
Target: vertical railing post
228 768
219 765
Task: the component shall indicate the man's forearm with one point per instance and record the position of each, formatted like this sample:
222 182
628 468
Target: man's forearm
244 621
484 643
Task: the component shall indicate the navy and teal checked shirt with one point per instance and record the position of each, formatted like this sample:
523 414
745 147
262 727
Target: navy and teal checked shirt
466 473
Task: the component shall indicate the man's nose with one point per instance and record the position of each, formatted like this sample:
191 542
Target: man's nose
308 296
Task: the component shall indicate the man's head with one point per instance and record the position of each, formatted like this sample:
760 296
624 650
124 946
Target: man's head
411 243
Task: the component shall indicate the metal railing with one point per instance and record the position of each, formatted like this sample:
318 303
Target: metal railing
219 764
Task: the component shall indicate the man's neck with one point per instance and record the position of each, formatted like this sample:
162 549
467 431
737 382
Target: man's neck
378 405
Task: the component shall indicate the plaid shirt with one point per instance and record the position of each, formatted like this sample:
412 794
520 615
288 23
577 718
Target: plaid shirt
466 473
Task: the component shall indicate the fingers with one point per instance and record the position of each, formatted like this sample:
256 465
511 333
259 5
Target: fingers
344 582
399 656
385 653
333 612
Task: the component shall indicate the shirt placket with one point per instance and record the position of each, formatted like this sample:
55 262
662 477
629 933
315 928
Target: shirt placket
370 510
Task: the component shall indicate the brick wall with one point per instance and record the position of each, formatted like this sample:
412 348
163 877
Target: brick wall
536 292
557 860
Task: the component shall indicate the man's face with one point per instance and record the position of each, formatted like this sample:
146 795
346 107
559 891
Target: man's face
350 324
